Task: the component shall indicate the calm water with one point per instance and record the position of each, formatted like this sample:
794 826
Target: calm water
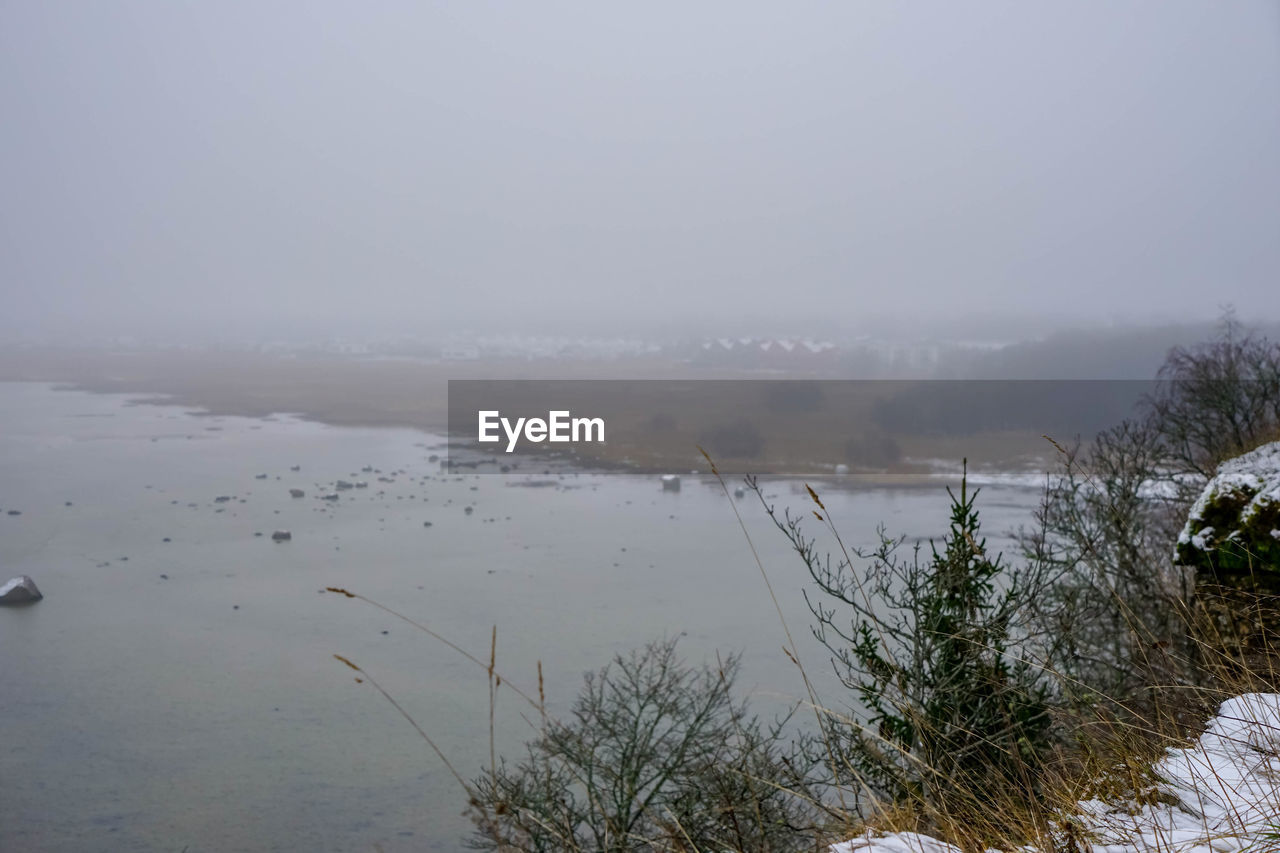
182 694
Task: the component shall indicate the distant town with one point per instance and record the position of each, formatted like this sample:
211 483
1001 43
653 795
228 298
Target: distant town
863 354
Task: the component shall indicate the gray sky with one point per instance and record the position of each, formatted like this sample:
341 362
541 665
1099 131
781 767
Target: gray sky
222 167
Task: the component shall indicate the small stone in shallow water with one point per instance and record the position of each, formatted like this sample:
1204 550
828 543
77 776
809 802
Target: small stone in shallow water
20 590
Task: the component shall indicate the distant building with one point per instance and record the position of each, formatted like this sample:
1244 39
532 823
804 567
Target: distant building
459 352
767 353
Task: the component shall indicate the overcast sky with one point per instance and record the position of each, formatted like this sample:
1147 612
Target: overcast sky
221 167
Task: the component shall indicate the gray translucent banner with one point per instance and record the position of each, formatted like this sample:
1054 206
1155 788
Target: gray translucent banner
776 427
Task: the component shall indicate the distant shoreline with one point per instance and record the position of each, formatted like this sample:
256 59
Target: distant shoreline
386 393
328 389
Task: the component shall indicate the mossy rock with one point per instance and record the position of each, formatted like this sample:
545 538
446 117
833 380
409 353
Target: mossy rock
1236 620
1232 534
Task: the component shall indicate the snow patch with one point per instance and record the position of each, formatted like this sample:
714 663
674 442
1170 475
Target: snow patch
1221 794
898 842
1202 540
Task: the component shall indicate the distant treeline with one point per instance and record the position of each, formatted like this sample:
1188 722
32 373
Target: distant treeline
1113 353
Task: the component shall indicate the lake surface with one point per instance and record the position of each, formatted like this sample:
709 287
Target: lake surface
182 693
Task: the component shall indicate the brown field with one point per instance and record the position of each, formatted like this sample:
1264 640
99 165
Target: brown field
657 434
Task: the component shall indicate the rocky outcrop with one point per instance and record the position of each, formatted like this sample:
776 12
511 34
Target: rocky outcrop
20 590
1232 534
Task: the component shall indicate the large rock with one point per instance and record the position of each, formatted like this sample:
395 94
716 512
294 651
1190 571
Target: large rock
20 590
1232 533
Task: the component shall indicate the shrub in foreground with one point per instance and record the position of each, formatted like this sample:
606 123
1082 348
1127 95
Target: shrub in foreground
949 717
655 755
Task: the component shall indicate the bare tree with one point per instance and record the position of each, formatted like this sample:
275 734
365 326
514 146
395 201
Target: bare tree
1112 512
656 755
1105 528
1217 399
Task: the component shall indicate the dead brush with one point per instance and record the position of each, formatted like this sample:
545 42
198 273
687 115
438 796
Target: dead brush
655 755
1106 657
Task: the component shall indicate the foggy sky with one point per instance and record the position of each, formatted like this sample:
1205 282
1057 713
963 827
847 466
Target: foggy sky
217 168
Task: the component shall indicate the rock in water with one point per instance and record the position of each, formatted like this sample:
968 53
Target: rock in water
282 536
20 590
297 493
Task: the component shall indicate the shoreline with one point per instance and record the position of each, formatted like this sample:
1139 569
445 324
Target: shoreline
404 394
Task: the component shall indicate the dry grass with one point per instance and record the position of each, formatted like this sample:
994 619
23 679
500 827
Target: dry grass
1108 751
1110 755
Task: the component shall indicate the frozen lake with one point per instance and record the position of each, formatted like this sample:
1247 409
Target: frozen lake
183 694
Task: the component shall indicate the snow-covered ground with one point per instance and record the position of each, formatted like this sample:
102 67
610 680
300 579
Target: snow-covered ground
1221 794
